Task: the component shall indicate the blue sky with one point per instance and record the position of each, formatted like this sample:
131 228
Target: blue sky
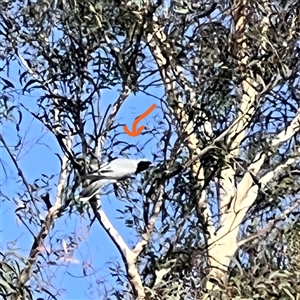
38 157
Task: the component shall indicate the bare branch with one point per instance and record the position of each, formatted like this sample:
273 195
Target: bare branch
116 107
270 224
149 229
20 173
270 175
128 256
255 167
46 226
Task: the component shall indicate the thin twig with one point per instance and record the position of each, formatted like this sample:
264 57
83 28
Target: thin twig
20 173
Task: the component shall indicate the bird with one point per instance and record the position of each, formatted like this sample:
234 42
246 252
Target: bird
112 172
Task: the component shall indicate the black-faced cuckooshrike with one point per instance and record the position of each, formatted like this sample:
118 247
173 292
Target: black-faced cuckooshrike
112 172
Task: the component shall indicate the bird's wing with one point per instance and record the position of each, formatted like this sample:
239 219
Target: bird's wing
118 168
92 189
120 162
105 166
106 170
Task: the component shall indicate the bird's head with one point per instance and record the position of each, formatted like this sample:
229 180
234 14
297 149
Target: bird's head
143 165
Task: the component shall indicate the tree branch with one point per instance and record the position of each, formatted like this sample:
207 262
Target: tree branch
270 224
47 225
128 256
260 158
149 229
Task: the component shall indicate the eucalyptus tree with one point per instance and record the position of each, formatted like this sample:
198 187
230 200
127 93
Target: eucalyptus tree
215 215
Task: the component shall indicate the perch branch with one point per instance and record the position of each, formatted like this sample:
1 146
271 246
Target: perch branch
128 256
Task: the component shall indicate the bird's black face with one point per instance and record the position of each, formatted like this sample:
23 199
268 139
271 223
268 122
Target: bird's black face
142 166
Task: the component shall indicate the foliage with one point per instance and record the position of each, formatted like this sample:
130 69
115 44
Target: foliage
217 217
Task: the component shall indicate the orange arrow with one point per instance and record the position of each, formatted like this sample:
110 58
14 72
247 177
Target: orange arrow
134 131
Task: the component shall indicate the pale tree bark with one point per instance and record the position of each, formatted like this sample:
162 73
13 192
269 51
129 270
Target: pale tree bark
236 199
223 243
171 77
